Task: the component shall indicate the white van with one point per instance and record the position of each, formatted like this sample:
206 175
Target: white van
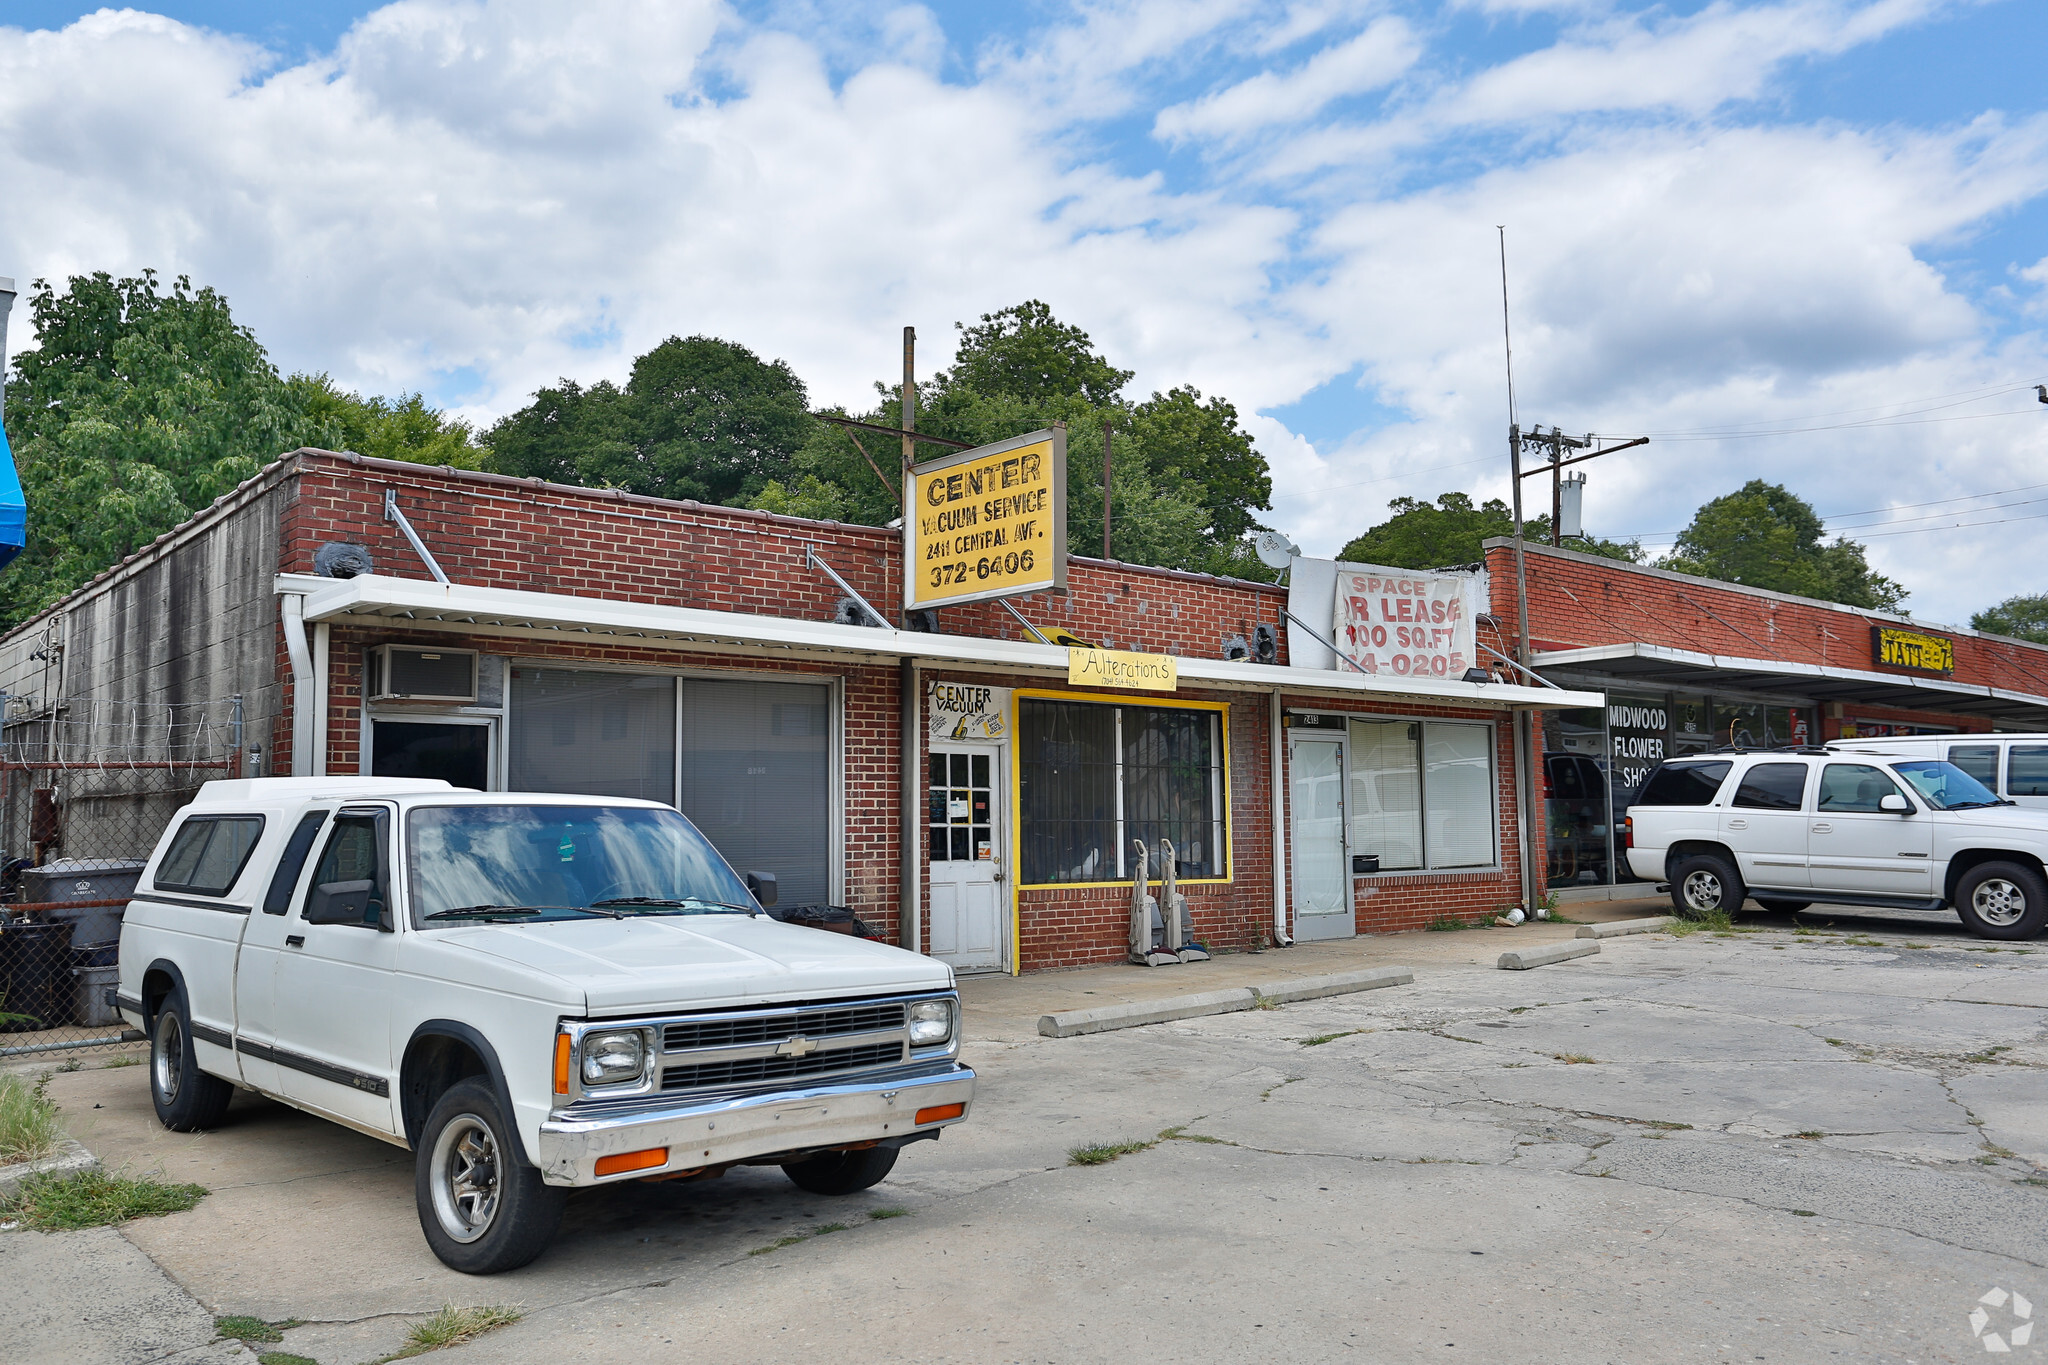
2014 766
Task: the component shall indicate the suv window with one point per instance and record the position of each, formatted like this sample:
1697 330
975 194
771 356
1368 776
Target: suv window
1772 786
2026 770
1978 760
1854 788
208 854
1683 784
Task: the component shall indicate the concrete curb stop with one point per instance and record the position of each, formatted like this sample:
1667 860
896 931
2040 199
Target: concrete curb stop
1522 959
1616 928
1337 983
69 1159
1135 1014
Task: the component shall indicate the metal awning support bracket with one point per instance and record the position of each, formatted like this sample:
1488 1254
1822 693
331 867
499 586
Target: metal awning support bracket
391 513
813 560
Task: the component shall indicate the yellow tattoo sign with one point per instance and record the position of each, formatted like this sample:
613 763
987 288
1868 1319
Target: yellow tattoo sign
988 522
1120 668
1895 648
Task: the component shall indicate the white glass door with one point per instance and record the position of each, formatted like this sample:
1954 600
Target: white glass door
969 896
1322 875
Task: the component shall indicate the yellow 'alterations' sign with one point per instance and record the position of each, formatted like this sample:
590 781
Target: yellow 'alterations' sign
1120 668
1895 648
988 522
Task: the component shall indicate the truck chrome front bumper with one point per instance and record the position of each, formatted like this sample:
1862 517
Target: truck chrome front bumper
722 1132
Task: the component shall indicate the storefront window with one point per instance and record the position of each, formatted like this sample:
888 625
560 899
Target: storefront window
1386 792
1422 794
1085 798
1575 804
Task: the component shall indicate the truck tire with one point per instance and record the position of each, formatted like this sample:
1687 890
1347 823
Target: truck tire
2002 900
842 1172
481 1208
1704 884
186 1099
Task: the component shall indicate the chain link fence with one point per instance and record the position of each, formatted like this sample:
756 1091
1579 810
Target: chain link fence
86 788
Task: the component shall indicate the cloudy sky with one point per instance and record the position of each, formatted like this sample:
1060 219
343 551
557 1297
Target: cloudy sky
1804 239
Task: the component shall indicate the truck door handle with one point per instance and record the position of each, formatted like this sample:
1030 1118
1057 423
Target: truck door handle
1823 828
1738 824
294 940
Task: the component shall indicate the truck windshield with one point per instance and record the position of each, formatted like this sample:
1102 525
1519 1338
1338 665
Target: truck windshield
1944 786
540 863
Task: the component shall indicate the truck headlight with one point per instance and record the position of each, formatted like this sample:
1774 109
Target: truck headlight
931 1021
613 1058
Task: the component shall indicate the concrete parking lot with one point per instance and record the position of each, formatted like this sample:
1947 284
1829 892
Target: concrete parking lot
1822 1139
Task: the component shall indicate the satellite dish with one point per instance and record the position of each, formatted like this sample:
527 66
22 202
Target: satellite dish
1276 551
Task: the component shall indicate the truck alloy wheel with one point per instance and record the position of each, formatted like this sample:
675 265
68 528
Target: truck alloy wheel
2002 900
483 1209
186 1099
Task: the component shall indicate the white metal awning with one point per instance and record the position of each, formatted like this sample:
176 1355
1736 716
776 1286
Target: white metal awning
1662 665
418 604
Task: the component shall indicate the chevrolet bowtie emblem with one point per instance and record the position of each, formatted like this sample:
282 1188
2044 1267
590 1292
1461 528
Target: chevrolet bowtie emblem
795 1047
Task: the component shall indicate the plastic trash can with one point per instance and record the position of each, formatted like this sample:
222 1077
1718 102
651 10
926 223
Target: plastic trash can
35 959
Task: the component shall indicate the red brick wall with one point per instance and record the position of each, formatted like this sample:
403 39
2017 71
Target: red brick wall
1577 601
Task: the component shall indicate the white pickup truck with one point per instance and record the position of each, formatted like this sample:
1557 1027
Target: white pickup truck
532 993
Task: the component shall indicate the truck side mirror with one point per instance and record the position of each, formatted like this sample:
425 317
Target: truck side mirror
1895 804
341 903
762 885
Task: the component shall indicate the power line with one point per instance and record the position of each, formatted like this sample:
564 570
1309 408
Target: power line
1911 407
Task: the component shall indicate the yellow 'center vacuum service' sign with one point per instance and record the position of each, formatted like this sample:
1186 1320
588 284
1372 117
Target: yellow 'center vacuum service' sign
988 522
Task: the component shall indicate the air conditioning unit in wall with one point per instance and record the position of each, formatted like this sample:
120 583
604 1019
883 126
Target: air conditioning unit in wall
415 673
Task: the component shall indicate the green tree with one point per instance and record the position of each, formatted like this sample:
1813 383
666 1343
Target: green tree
2023 618
1764 536
1423 536
136 407
1024 352
404 428
700 418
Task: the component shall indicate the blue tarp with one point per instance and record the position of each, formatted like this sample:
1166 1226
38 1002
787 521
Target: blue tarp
13 507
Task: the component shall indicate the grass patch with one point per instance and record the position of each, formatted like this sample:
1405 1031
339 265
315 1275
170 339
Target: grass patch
91 1199
28 1121
1181 1134
452 1326
1683 926
1445 924
250 1329
781 1242
1102 1153
284 1358
1916 945
1264 1002
1862 941
1322 1038
1997 1150
133 1059
2032 1180
1575 1059
1804 1213
1267 1093
1663 1127
1989 1054
879 1214
1834 1042
1810 1134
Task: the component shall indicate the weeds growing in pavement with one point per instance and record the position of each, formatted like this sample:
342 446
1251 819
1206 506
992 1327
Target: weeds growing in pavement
879 1214
90 1199
28 1121
1716 921
1102 1153
1575 1059
244 1328
284 1358
1445 924
1810 1134
1322 1038
452 1326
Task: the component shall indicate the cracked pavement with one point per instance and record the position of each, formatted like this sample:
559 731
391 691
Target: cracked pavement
1782 1145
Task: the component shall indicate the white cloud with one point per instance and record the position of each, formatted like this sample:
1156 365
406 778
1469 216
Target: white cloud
476 198
1365 62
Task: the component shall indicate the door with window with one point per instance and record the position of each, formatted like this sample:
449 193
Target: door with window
1854 844
1322 871
969 888
1765 824
334 976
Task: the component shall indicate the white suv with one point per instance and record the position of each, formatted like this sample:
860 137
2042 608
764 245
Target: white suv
1791 827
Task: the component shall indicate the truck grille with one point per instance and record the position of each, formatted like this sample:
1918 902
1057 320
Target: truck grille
752 1030
750 1070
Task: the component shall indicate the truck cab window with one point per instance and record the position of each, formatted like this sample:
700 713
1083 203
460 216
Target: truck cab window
348 882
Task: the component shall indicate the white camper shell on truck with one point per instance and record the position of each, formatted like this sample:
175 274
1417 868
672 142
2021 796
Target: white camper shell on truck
532 992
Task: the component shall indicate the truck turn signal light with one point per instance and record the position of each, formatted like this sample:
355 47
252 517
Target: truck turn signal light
938 1113
632 1161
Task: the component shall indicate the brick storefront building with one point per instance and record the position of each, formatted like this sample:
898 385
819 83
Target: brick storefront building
1688 664
952 788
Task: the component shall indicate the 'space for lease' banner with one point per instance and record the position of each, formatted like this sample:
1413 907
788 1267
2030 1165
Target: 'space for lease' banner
1406 623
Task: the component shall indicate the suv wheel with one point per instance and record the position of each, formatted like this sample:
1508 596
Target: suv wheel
482 1209
1705 884
2002 900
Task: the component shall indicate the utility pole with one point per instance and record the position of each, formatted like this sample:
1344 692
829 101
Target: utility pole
909 403
1105 490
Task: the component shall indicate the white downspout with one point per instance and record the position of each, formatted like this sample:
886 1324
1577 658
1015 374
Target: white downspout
1279 751
321 686
293 606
